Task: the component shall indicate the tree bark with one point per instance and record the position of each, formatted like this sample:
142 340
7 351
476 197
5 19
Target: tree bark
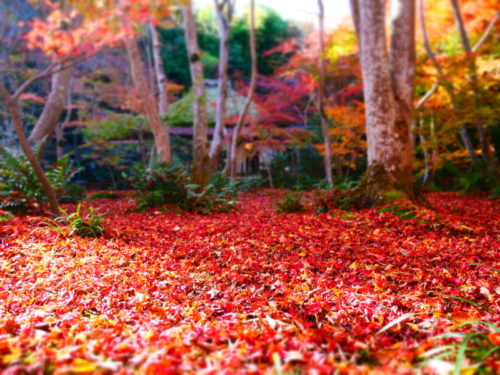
201 161
224 9
388 106
233 160
325 128
146 96
13 107
355 16
403 64
54 105
483 133
161 79
148 102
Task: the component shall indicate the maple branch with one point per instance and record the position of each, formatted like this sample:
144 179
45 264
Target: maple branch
448 86
486 33
427 96
51 69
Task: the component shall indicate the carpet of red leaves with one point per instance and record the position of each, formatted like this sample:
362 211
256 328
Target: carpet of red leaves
244 292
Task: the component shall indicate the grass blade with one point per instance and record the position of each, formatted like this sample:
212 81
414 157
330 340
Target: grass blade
488 324
461 354
466 300
398 320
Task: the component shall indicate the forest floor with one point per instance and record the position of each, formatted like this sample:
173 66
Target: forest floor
251 291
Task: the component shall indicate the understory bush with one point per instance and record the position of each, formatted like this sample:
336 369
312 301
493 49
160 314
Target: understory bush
300 169
78 223
20 188
482 176
291 203
344 196
169 184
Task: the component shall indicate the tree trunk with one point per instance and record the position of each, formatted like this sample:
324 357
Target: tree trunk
53 107
483 133
201 161
355 16
403 64
60 130
325 128
161 80
145 92
224 9
253 80
389 174
13 108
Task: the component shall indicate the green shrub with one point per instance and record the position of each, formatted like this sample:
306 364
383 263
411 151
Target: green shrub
20 188
169 184
299 169
480 176
291 203
83 225
335 198
250 183
105 195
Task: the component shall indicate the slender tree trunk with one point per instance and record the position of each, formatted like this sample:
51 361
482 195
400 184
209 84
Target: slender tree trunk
201 161
447 85
483 133
325 128
60 130
160 133
145 92
161 79
13 108
224 9
355 16
233 160
53 107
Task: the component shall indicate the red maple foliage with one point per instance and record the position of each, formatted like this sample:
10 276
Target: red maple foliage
251 291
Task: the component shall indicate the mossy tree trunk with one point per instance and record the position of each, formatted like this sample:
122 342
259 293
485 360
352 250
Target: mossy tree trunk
388 82
12 104
201 160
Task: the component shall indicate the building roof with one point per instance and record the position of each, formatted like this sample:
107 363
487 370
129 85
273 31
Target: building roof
181 113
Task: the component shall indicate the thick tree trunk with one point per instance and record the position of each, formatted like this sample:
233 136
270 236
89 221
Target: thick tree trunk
161 79
13 108
201 161
233 160
389 174
53 107
224 9
325 128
